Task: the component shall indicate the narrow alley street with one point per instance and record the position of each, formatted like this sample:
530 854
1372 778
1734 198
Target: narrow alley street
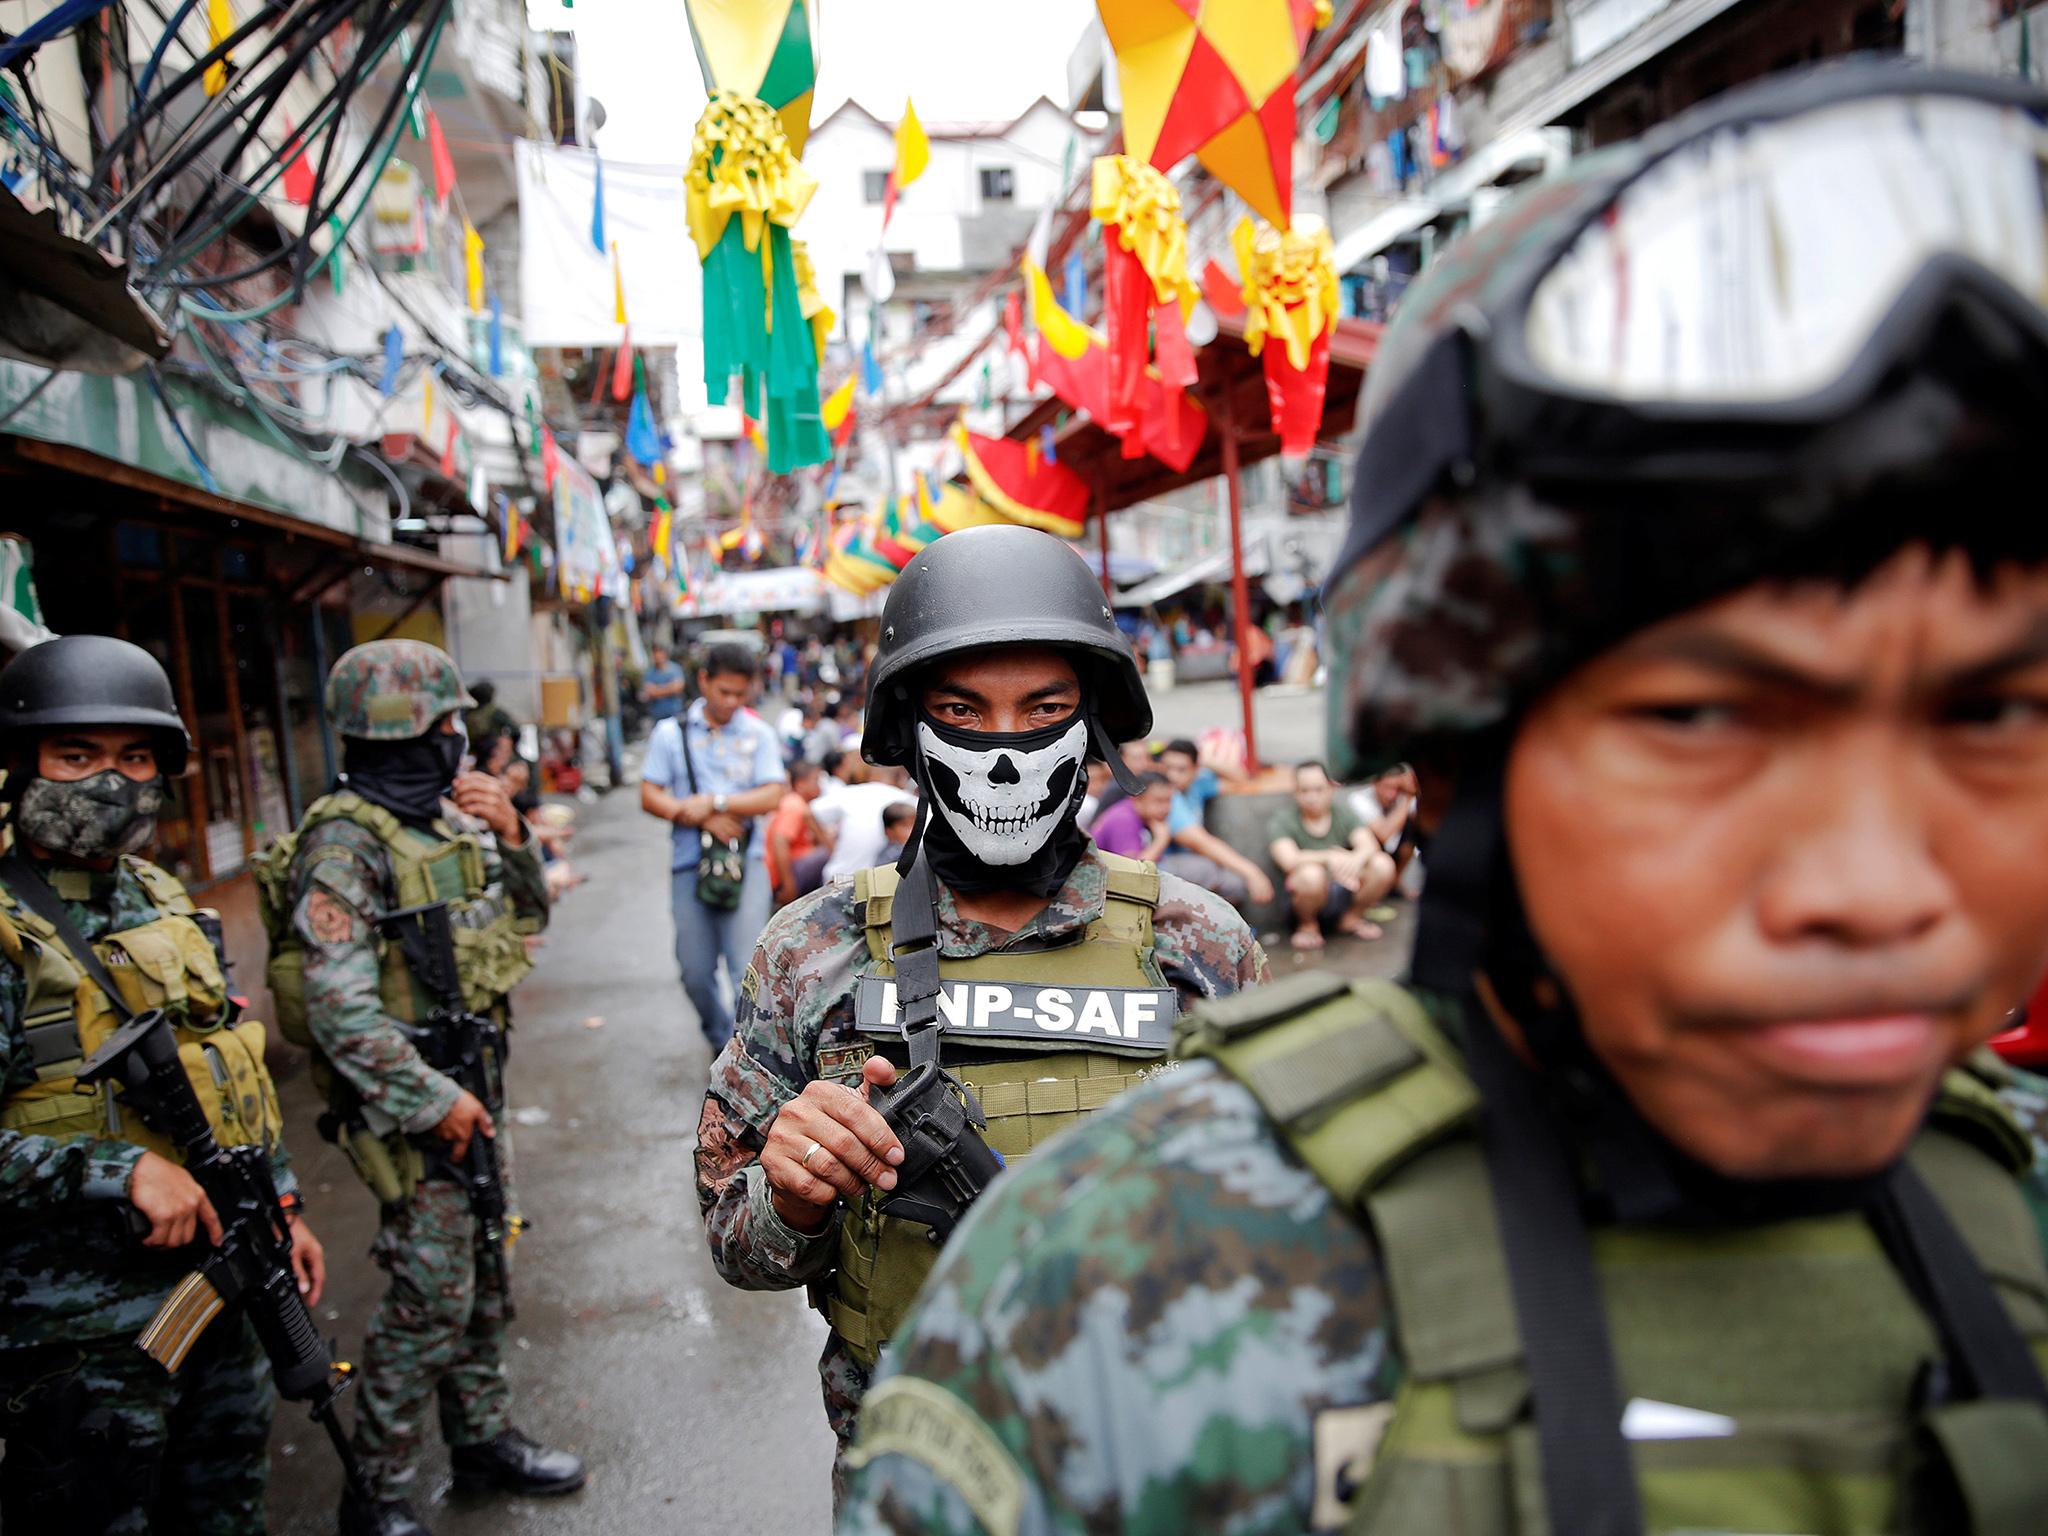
696 1405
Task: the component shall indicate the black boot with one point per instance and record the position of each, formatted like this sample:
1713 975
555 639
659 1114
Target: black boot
514 1464
393 1517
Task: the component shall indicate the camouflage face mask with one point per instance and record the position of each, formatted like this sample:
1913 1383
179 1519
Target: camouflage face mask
101 817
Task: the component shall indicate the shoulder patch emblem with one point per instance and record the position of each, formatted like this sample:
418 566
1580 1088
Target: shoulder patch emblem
908 1417
330 919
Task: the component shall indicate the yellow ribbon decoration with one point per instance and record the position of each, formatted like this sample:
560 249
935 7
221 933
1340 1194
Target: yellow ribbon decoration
1144 208
1290 286
1067 336
809 300
741 163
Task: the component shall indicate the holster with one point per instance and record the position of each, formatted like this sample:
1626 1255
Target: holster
946 1163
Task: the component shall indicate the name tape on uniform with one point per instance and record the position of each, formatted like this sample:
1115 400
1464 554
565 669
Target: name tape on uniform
1115 1018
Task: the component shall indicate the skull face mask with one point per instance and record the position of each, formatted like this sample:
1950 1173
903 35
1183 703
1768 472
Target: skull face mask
1005 795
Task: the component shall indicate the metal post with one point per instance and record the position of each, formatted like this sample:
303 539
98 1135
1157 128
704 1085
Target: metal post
1102 538
1240 590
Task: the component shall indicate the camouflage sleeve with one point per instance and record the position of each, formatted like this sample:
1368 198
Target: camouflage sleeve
1087 1357
339 884
41 1173
525 881
765 1065
1203 944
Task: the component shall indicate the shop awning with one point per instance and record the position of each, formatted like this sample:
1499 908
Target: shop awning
170 497
1207 571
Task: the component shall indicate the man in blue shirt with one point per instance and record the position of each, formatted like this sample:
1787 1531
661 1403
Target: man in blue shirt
713 774
1197 853
662 688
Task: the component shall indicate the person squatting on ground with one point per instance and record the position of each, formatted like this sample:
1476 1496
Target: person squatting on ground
1333 863
1041 971
410 825
99 1437
1677 1194
714 775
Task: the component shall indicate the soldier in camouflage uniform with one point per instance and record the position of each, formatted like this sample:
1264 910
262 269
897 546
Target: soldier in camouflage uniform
1676 1194
411 824
98 1436
999 670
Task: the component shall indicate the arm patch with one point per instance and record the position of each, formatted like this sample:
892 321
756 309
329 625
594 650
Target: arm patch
328 919
907 1417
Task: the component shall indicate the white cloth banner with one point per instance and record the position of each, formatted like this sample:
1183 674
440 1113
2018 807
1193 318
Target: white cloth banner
565 282
784 589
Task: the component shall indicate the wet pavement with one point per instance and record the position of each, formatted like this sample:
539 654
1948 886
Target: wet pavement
696 1405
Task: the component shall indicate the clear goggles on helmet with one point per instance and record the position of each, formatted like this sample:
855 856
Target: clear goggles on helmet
1763 262
1694 314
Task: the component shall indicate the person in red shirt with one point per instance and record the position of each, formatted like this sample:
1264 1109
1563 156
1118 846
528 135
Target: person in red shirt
796 848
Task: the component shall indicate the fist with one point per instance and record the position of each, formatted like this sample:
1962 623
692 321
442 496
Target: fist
827 1143
484 797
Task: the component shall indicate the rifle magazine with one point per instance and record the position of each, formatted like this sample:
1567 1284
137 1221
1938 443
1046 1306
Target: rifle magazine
169 1336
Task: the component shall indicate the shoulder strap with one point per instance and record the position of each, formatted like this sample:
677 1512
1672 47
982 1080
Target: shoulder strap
1131 879
914 930
1354 1073
683 735
873 895
35 894
165 889
367 814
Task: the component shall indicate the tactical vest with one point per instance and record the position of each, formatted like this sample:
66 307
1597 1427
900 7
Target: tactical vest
1034 1069
167 963
444 865
1770 1372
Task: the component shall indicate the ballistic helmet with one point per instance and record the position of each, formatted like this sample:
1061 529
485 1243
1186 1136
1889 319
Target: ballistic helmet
994 586
393 690
91 681
1780 337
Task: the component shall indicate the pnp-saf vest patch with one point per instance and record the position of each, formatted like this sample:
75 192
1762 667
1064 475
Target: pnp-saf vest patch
1043 1036
1775 1375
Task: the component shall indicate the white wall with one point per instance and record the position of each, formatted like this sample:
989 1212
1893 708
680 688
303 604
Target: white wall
932 216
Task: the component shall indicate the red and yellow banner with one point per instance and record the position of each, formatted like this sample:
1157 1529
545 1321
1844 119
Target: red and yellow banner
1022 485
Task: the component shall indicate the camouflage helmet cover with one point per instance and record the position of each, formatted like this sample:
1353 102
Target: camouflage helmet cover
1496 540
393 690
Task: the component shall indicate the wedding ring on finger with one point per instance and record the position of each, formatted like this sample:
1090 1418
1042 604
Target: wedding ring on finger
811 1151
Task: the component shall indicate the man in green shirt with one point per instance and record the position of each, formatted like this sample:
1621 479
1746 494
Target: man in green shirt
1333 862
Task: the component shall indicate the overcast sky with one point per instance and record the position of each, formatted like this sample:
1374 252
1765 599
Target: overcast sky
957 59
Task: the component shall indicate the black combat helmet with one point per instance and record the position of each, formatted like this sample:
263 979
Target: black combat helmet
994 586
91 681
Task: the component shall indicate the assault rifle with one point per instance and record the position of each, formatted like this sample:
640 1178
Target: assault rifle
251 1265
471 1049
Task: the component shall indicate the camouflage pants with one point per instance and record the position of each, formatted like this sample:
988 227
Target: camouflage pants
438 1337
846 1383
100 1439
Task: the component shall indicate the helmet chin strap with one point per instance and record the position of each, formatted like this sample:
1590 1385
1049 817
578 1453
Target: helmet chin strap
924 809
1107 751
